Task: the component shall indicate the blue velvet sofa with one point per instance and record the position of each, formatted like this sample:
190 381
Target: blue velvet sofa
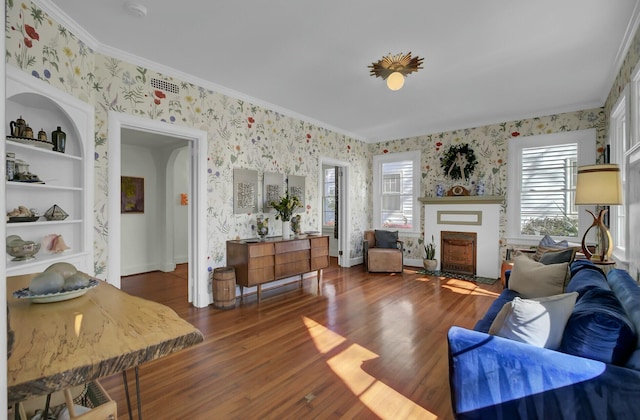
594 375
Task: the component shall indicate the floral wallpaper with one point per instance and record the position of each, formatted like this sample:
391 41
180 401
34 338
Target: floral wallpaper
243 135
489 144
240 134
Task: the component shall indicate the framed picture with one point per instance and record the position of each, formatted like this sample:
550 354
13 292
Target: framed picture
273 189
296 186
131 194
245 191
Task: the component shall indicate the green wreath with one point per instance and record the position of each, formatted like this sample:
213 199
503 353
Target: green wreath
459 159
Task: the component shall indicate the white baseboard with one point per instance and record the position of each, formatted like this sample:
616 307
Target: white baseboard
145 268
412 262
355 261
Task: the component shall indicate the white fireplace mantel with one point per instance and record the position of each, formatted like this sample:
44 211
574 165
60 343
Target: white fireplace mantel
479 214
463 199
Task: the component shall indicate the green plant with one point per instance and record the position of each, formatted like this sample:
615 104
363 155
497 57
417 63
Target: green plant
285 206
430 249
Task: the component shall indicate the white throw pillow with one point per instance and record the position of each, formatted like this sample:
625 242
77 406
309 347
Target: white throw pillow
533 279
539 322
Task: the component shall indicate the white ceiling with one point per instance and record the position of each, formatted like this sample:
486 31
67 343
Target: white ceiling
484 61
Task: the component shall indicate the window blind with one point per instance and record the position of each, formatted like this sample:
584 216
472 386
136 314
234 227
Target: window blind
548 184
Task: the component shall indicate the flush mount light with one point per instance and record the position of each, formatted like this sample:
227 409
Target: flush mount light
135 9
394 68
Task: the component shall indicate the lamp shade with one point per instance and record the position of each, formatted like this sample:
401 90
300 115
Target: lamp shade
599 185
395 80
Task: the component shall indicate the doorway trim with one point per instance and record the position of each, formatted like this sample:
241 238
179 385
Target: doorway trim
344 227
198 274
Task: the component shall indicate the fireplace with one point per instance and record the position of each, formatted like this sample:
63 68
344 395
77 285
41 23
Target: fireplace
458 252
479 215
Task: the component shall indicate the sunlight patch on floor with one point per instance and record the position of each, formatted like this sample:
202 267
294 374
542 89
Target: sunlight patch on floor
380 398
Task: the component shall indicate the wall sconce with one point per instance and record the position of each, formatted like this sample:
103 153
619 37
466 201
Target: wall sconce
394 68
599 185
184 199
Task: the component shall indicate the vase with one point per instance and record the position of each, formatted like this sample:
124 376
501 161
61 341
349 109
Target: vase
286 231
263 227
59 140
430 265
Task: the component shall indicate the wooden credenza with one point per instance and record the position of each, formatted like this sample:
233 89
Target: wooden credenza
258 262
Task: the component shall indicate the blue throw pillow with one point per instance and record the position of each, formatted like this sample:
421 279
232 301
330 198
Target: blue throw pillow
386 239
599 329
547 241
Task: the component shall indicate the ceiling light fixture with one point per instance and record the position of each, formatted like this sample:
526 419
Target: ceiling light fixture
135 9
394 68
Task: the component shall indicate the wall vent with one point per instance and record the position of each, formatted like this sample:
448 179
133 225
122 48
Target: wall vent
166 86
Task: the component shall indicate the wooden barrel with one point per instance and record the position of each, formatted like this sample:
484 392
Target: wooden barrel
224 287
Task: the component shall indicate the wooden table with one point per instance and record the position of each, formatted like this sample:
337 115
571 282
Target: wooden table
106 331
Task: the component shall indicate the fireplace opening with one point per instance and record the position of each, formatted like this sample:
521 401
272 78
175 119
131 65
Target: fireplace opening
458 252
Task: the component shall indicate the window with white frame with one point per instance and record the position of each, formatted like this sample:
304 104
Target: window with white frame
396 184
329 197
618 143
541 185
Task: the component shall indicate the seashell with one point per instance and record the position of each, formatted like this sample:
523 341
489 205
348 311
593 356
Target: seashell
58 245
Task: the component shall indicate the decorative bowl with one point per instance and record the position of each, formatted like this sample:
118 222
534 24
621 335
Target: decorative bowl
23 250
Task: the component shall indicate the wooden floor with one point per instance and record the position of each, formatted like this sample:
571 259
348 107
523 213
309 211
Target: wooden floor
370 346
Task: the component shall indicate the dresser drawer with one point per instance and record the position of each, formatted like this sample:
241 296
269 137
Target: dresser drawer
290 246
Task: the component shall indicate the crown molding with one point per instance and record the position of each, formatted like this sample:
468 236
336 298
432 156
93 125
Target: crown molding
56 13
629 34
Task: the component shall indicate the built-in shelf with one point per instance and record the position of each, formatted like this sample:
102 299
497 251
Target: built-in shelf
66 177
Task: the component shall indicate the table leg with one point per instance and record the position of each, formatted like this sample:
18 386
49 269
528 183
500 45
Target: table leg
45 414
259 292
138 395
126 393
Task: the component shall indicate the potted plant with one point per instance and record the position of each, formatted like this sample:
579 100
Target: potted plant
284 210
430 263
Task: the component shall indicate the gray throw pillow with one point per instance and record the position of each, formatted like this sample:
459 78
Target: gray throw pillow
533 279
386 239
557 257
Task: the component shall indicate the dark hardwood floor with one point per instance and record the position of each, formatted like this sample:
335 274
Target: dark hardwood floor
370 346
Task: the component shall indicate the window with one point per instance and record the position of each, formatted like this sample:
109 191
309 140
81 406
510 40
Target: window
618 142
541 185
329 197
396 183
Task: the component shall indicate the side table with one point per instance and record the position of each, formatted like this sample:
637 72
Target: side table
605 266
506 265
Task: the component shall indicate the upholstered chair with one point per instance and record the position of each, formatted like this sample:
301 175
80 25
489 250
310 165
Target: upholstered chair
383 252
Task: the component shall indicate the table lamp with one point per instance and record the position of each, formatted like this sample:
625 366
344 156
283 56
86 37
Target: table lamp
599 185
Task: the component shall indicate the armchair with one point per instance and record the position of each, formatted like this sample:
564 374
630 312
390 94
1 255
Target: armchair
383 252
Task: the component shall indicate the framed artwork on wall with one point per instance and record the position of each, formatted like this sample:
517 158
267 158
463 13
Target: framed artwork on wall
296 185
131 194
272 189
245 191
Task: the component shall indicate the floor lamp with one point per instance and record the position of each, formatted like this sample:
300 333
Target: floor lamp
599 185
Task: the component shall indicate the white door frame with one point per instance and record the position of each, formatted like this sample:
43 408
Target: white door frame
198 274
344 227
